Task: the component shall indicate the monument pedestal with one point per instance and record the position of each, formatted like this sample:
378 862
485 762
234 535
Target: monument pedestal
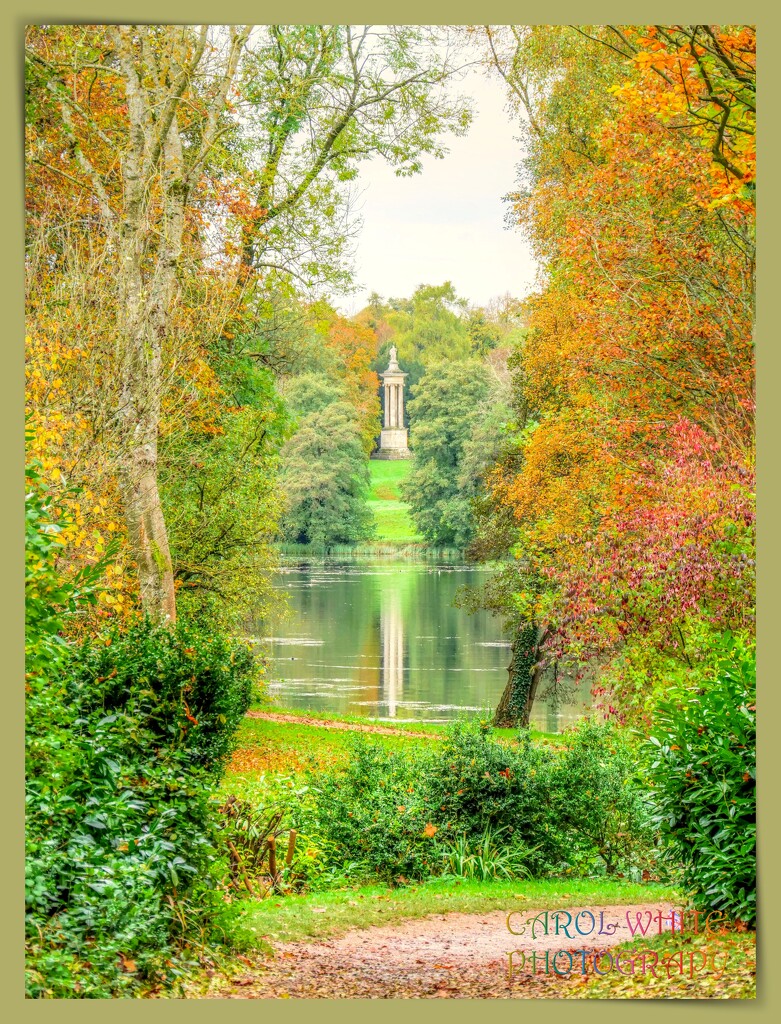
393 444
393 438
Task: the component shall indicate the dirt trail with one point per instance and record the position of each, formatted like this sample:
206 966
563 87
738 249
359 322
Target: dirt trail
325 723
444 956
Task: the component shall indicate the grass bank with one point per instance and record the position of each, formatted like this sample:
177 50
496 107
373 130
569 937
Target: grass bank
718 966
391 513
396 551
268 747
326 718
395 535
322 915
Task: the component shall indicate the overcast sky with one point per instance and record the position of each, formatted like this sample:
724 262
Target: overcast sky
447 223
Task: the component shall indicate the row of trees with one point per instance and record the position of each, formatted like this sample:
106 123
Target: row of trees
180 180
457 401
332 397
183 184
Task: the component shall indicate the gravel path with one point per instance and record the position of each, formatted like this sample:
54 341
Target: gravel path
443 956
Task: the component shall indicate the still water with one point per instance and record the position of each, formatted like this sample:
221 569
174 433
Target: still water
385 640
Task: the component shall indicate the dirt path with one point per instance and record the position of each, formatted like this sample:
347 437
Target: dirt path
325 723
444 956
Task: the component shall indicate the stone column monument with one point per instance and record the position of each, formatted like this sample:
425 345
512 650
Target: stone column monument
393 438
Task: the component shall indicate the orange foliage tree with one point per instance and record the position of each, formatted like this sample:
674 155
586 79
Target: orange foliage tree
632 491
355 346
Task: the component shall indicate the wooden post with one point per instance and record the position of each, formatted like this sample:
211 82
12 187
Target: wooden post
291 845
272 858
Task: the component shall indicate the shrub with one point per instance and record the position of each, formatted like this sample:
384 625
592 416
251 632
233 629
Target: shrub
189 689
596 800
701 759
479 784
374 812
474 802
122 754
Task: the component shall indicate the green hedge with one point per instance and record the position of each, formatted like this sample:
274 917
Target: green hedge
701 759
123 751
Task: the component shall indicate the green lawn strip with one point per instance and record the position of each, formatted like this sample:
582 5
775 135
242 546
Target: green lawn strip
387 475
435 729
313 738
393 525
732 975
322 915
390 512
258 728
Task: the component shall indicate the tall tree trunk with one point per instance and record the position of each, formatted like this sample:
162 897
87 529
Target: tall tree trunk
157 66
146 530
139 415
524 675
143 321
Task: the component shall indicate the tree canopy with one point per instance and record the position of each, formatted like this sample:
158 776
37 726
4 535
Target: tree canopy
325 478
631 491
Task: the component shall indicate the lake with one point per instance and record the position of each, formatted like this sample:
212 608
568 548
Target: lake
384 639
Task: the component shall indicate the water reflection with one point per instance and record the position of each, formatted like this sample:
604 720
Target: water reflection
393 660
385 640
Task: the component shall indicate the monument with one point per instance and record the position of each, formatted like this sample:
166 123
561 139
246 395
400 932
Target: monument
393 437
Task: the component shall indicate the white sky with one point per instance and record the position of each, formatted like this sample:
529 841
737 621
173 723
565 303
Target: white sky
447 223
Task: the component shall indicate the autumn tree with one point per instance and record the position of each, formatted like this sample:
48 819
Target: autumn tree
180 175
637 194
172 84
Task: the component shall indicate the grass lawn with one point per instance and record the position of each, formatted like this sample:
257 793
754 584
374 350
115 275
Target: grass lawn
288 748
390 512
324 914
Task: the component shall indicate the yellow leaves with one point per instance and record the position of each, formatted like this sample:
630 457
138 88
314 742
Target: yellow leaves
92 512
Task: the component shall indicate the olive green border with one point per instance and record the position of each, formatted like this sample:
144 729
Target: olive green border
14 17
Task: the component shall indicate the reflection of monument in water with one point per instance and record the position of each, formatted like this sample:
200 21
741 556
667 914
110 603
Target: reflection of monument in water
393 445
393 437
392 634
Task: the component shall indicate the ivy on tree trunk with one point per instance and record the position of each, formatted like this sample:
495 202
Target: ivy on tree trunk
524 672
